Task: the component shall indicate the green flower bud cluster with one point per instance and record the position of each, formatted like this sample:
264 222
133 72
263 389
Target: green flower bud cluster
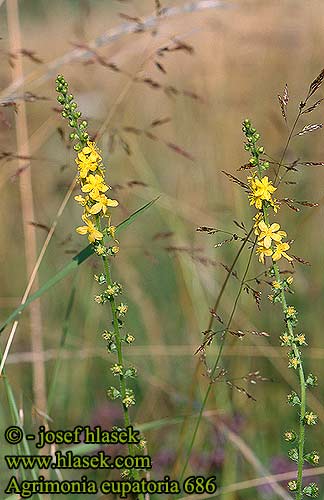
311 490
311 380
100 278
111 340
111 291
251 145
71 113
290 436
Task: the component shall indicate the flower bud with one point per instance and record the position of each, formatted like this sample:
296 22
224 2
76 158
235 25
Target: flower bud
290 436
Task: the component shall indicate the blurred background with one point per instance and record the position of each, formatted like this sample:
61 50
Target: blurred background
165 91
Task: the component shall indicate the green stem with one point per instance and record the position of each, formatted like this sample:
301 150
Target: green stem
122 382
301 436
120 358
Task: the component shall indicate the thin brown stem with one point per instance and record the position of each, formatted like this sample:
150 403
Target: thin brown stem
27 204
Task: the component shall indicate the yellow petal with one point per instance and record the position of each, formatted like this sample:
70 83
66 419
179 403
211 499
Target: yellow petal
95 209
112 203
276 256
287 256
275 227
276 237
258 203
267 242
82 230
86 150
262 225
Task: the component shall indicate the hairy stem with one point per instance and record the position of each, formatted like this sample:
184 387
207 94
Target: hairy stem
301 435
302 384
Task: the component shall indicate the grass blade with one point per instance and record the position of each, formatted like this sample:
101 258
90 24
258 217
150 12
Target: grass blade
71 266
15 416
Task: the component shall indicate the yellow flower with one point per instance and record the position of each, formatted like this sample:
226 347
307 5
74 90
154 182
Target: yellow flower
269 233
310 418
94 184
88 159
102 204
261 189
85 167
122 309
275 204
117 369
263 252
100 250
90 229
92 148
257 218
276 285
294 363
81 200
89 154
285 339
300 339
290 311
281 252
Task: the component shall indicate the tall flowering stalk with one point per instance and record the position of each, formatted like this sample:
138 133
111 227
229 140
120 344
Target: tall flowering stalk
97 227
271 245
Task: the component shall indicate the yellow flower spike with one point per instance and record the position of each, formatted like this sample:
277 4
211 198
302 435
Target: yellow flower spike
263 252
94 185
90 230
281 252
269 233
102 204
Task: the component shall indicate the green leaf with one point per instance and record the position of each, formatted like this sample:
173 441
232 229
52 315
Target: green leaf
24 446
71 266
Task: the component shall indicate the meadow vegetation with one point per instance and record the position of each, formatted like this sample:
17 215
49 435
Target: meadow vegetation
165 93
